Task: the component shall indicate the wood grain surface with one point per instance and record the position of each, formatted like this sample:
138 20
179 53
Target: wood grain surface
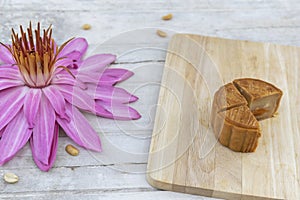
185 156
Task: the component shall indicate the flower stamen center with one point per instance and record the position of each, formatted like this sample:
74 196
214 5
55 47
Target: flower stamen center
35 56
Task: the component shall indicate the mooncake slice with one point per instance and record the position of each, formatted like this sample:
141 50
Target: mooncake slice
237 129
263 98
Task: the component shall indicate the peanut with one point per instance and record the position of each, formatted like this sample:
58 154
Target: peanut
161 33
10 178
167 17
86 26
73 151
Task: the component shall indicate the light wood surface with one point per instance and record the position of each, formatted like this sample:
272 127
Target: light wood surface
185 156
119 171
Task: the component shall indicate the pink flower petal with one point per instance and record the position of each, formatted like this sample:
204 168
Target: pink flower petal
31 105
111 93
76 45
65 61
74 55
63 79
11 102
70 60
78 97
9 73
114 75
57 101
67 79
117 110
88 77
1 132
53 150
102 112
14 137
9 66
96 63
91 69
5 55
79 130
44 136
9 83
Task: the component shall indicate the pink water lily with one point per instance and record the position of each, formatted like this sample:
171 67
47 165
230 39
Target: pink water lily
44 87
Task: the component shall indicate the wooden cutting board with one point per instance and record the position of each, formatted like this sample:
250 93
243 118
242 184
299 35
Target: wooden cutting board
185 156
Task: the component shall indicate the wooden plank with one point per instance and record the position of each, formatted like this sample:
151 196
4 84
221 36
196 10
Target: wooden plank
271 171
147 194
237 24
72 179
116 151
136 5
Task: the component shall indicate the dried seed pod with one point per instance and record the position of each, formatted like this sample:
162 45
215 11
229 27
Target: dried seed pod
10 178
167 17
73 151
86 26
161 33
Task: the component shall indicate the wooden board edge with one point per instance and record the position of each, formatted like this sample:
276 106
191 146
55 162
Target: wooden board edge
191 36
177 188
199 191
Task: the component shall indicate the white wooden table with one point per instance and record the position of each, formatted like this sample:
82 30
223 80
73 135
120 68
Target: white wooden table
119 171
